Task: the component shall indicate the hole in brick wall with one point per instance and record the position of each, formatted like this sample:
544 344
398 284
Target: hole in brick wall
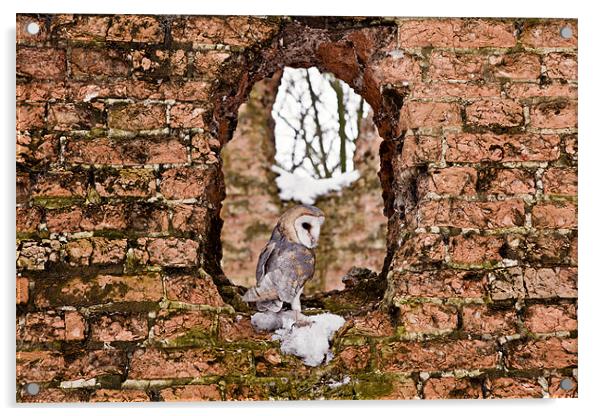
298 140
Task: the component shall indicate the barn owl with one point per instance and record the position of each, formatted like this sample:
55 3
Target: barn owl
287 261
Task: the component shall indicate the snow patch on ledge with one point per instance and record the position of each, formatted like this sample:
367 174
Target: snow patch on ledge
309 342
305 189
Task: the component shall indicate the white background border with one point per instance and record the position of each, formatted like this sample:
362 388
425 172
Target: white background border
590 184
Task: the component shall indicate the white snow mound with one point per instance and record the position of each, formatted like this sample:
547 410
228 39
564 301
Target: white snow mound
306 189
309 342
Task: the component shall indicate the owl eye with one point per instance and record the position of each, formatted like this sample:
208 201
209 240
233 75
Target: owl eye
306 226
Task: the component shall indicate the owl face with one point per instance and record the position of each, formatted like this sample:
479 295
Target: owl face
307 228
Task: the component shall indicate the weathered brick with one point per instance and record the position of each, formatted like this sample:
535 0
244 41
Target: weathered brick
130 28
456 33
551 318
98 63
125 152
558 181
119 327
454 180
96 363
557 214
546 353
552 249
525 90
556 385
480 319
151 63
184 90
419 150
397 70
546 34
28 219
69 116
206 64
230 30
428 317
24 37
139 116
40 327
118 396
445 65
439 90
107 251
125 183
30 116
516 66
89 218
190 182
37 150
173 252
191 393
506 182
561 65
41 63
475 249
78 252
488 112
190 218
354 358
41 90
452 388
77 291
183 329
506 284
186 116
60 184
145 218
80 27
75 326
375 324
419 250
470 214
33 256
516 388
23 187
192 289
39 366
551 283
53 395
149 364
554 114
416 114
501 148
440 284
437 356
239 328
22 290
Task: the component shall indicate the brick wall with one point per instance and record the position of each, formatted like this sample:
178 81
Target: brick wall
120 121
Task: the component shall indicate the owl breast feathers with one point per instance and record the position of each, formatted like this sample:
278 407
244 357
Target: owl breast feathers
287 262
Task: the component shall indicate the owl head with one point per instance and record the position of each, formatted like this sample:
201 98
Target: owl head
301 224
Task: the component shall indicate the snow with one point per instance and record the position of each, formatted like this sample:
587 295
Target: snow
309 342
307 189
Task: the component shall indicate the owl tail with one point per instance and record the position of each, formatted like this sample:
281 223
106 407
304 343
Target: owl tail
259 294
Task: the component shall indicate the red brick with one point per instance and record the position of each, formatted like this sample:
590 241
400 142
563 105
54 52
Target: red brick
419 150
60 185
79 27
446 65
440 90
439 284
471 214
560 214
191 289
183 329
98 63
437 356
419 250
135 28
514 388
24 37
506 284
374 324
23 187
487 112
354 358
558 181
189 182
452 388
22 290
456 33
40 327
108 251
396 70
28 219
501 148
53 395
475 249
139 116
96 363
30 116
78 252
67 117
91 218
150 364
118 396
507 182
238 328
555 387
186 116
516 66
552 248
416 114
36 149
126 183
480 319
546 34
528 90
427 317
119 327
184 90
125 152
230 30
191 393
77 291
551 283
206 64
546 353
41 91
148 218
561 65
173 252
191 218
39 366
454 180
75 326
33 256
151 63
552 318
554 114
41 63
